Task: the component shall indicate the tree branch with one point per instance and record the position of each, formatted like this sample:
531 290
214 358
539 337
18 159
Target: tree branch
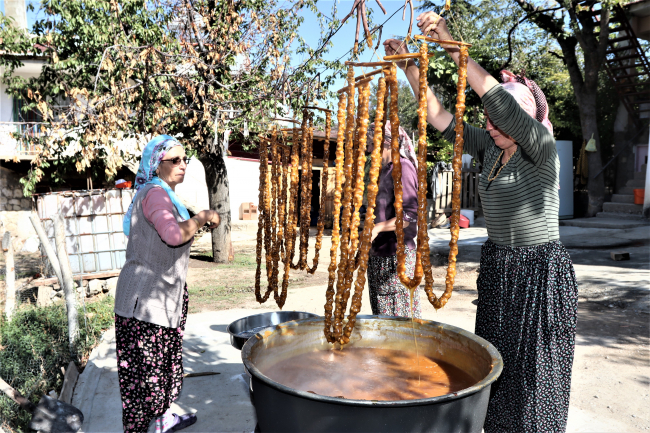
505 65
605 16
543 21
190 11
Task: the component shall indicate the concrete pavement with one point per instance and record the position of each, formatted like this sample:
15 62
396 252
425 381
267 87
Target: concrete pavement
222 402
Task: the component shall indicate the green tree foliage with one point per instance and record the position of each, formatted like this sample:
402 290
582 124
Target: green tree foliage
515 36
535 30
190 68
486 24
407 108
13 44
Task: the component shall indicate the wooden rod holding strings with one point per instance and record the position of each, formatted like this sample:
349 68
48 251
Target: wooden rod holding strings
369 74
284 120
368 64
358 83
440 41
284 146
403 56
317 108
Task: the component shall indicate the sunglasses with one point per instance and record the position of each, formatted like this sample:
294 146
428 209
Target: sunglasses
177 160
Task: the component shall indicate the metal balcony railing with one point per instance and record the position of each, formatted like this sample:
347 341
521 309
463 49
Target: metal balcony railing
19 147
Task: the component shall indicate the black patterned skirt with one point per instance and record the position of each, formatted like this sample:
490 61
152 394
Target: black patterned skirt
527 308
388 296
149 367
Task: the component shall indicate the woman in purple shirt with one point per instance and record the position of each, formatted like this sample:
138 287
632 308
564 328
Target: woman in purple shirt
388 297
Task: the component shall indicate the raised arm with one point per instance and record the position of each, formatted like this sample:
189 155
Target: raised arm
476 140
535 140
432 24
437 116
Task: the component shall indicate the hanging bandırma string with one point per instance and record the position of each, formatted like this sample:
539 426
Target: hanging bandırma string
353 249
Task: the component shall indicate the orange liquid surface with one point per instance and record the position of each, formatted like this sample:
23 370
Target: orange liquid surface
369 374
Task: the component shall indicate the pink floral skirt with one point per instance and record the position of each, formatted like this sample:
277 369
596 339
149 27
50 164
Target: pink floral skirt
149 367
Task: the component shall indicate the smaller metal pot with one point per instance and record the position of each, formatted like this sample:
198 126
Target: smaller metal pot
242 329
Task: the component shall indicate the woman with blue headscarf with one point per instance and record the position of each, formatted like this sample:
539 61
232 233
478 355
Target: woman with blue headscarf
151 296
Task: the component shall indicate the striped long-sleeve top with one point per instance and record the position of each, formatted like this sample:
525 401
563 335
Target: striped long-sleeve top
521 205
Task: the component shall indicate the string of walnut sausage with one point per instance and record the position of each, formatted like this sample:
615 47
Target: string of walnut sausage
345 219
305 179
347 257
338 182
291 217
333 326
350 187
275 205
282 211
273 216
320 225
295 160
263 227
364 250
457 179
279 213
422 264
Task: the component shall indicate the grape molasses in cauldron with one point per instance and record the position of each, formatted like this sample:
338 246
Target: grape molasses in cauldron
283 409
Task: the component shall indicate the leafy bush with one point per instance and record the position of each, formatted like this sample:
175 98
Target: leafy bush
34 346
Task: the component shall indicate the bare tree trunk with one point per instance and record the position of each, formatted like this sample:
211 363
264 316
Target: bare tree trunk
68 282
10 276
216 177
588 120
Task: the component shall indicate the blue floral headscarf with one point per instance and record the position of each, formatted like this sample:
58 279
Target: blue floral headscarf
152 154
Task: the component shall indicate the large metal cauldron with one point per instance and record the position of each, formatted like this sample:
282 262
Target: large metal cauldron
282 409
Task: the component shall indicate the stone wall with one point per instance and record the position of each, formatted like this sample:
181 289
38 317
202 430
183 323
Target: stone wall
14 207
11 192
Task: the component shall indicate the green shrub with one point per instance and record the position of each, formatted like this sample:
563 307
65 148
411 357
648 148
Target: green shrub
34 346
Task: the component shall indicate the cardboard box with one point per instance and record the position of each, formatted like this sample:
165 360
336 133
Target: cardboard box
248 211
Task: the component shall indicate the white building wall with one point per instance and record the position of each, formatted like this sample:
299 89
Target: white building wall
30 69
244 180
194 189
5 105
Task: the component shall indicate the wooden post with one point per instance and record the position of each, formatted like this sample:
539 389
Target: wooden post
49 251
68 282
10 276
69 381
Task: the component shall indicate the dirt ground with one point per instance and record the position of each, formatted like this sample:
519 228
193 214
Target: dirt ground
611 371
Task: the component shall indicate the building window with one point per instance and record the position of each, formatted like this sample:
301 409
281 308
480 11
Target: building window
19 115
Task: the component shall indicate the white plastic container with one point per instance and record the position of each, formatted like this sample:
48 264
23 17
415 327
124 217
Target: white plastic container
93 224
467 161
469 214
565 154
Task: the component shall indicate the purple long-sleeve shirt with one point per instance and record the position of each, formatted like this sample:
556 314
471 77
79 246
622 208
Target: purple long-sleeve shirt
385 244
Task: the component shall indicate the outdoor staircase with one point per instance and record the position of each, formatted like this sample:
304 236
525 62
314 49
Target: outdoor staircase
622 205
626 65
